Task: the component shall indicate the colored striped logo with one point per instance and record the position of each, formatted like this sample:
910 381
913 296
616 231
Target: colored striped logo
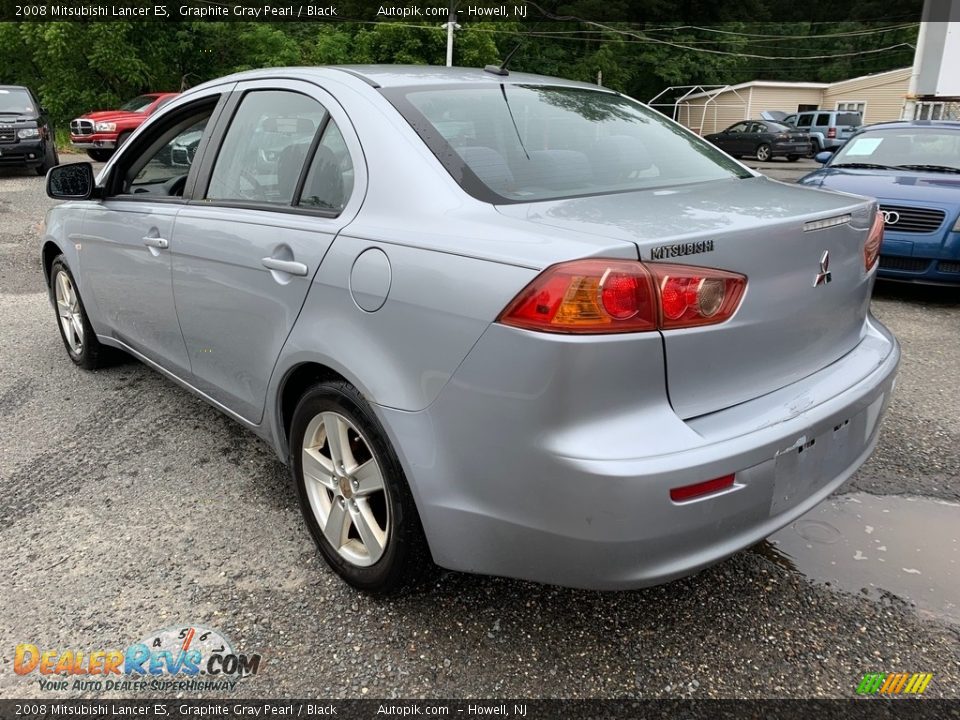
894 683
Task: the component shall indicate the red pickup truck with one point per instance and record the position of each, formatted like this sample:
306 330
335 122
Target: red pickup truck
103 131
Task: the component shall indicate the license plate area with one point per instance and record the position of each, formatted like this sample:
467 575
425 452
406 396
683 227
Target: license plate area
814 462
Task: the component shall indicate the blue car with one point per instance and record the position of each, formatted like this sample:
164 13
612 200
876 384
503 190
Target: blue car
913 169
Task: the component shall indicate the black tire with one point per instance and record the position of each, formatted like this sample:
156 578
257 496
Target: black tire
814 148
404 556
51 159
792 158
762 153
121 139
92 354
100 155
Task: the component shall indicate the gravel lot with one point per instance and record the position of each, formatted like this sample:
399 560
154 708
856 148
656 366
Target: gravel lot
128 505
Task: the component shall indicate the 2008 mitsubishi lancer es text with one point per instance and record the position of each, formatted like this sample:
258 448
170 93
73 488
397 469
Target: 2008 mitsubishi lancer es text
513 324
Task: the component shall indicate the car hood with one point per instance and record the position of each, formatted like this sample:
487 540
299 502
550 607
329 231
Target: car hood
6 119
111 115
890 184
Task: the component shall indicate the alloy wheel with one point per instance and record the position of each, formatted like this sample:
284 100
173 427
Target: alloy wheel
763 153
68 309
346 489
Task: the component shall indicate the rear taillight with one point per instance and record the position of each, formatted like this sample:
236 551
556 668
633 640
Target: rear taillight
871 248
691 296
831 132
614 296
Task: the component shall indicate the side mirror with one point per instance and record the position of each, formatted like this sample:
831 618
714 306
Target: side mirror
73 181
823 157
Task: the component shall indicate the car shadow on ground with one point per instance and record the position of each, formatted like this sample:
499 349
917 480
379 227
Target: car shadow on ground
941 295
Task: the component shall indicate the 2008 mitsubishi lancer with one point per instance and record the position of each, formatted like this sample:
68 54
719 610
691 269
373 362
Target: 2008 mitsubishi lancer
511 324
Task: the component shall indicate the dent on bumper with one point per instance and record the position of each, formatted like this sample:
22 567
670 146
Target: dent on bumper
585 502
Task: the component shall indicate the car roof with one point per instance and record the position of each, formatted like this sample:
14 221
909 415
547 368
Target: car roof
387 76
894 124
14 87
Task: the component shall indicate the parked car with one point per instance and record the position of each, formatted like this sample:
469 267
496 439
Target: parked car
912 169
514 324
102 131
27 138
828 129
763 140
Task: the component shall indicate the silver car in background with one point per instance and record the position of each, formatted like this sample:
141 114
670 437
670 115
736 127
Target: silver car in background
514 324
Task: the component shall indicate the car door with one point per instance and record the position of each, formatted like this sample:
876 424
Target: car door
125 255
731 139
278 189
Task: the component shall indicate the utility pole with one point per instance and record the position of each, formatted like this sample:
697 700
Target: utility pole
451 26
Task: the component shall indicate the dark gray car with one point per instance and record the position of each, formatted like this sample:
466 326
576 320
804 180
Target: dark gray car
763 140
514 324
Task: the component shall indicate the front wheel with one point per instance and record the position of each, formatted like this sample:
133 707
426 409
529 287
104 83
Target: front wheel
353 494
763 152
51 159
75 330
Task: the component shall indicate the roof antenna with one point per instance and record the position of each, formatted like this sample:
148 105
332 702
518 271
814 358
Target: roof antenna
502 68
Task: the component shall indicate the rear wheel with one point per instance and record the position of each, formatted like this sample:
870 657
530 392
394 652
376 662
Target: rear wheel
814 148
78 336
353 493
763 152
792 158
101 155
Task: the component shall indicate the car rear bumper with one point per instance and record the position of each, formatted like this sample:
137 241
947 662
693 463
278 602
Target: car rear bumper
532 480
790 148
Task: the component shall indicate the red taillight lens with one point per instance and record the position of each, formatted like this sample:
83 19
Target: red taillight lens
689 492
587 296
692 296
612 296
831 132
871 249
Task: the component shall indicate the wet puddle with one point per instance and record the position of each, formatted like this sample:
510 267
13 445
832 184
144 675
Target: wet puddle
907 546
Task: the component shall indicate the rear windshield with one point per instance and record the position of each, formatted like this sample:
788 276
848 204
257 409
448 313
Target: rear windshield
521 143
846 118
138 104
15 101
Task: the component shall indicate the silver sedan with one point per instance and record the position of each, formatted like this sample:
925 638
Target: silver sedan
511 324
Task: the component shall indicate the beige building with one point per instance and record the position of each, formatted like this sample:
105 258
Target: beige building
878 97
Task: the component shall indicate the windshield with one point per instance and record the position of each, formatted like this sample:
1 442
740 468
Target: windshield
521 143
15 101
896 147
138 104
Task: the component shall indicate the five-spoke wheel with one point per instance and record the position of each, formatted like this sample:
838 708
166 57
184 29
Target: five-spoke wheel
346 490
75 330
353 492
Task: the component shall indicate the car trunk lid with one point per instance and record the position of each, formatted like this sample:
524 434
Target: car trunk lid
787 327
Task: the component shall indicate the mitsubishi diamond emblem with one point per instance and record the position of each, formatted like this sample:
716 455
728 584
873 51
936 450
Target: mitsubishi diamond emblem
823 277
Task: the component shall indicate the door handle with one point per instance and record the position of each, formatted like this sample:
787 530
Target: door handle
156 242
291 267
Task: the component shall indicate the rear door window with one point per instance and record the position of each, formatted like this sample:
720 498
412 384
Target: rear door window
265 147
823 120
329 180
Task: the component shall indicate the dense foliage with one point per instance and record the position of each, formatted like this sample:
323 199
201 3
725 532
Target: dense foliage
80 66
